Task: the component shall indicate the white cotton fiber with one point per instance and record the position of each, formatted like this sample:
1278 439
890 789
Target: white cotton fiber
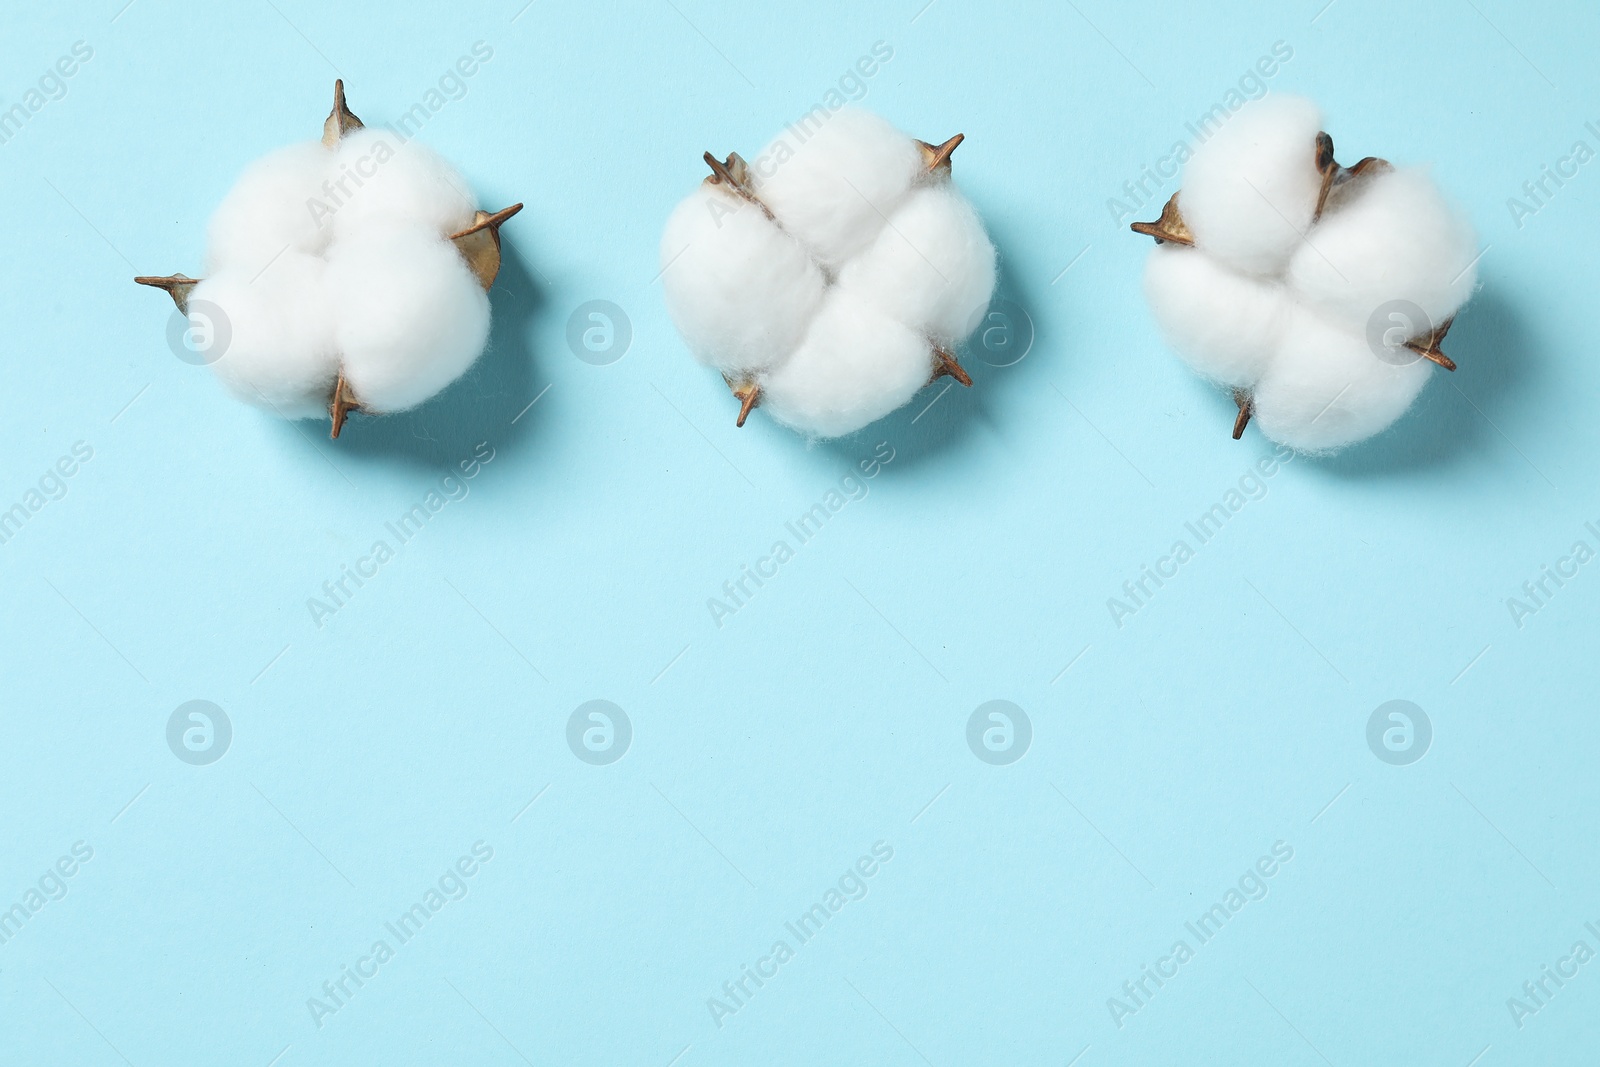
739 289
338 260
1224 324
1250 191
1395 238
265 211
411 317
1327 389
855 365
931 266
1281 305
275 334
834 306
383 181
833 189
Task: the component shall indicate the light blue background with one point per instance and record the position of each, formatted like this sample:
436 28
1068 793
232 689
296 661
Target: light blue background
770 753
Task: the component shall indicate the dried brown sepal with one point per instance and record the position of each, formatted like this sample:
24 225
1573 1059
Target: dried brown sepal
734 173
341 405
1328 167
1428 347
748 393
747 402
1336 180
1169 227
341 120
177 286
1246 404
937 157
479 244
946 365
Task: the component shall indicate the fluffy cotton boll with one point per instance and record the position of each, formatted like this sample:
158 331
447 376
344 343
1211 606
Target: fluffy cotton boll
265 211
740 290
1224 324
1394 239
378 181
274 335
411 316
855 366
833 190
1250 191
1327 388
932 267
832 305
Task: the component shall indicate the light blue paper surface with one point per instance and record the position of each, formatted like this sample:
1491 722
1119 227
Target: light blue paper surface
771 748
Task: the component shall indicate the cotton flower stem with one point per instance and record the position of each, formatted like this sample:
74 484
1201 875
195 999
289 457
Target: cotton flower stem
748 392
748 402
734 172
1169 227
343 403
479 244
1335 177
945 364
341 120
1246 404
937 157
177 286
1428 347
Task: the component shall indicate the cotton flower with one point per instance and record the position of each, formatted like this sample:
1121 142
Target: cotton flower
834 277
1319 293
341 275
